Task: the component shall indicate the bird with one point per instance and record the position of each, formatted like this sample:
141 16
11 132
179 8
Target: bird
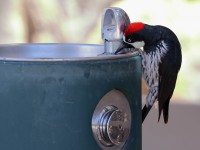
161 55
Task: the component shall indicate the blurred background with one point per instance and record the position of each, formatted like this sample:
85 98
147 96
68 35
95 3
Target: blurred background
79 21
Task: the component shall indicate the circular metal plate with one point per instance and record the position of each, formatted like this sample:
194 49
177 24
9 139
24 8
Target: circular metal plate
111 121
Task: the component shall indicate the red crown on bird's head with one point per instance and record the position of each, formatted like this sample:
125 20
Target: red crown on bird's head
133 27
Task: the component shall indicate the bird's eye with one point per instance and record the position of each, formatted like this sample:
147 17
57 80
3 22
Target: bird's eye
129 40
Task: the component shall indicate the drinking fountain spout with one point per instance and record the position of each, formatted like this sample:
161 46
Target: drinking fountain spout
114 22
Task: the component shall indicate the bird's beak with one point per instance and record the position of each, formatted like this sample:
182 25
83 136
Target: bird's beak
123 47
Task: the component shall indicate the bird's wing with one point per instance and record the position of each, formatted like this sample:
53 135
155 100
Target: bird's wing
168 70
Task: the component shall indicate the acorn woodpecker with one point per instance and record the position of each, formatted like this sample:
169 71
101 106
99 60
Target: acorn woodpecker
161 61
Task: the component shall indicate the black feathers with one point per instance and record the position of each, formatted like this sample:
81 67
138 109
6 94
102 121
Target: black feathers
168 71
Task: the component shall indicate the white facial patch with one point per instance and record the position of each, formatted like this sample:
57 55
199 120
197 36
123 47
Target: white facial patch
137 44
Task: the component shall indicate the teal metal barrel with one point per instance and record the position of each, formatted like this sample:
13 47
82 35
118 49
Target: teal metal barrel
49 93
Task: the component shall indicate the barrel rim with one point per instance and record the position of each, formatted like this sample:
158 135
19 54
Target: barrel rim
74 59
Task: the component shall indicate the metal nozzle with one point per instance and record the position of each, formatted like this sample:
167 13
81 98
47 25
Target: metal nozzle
114 22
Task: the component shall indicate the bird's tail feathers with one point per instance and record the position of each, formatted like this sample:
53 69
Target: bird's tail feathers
166 112
145 111
159 112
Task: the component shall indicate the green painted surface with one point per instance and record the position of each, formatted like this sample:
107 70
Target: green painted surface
49 105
